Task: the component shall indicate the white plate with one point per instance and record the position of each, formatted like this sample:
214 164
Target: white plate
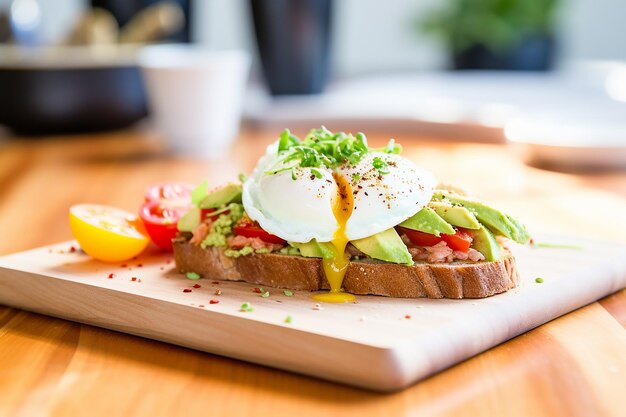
585 136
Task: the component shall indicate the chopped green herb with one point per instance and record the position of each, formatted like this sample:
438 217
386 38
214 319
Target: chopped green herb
287 140
316 173
538 280
288 319
192 275
356 177
287 293
556 246
381 165
265 294
246 307
242 177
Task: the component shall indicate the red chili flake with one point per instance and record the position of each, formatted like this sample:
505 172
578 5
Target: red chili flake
214 301
257 290
139 280
139 265
162 269
133 279
187 290
72 249
167 261
407 316
123 266
111 276
218 292
215 282
201 306
196 285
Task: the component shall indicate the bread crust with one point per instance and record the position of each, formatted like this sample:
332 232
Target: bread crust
459 279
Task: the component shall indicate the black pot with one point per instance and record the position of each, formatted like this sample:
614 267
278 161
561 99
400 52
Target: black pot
532 53
293 39
49 96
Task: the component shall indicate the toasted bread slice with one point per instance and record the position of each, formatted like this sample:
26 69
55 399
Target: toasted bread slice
442 280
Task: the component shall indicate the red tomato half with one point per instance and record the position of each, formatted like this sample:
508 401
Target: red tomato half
460 241
172 192
421 238
160 222
248 228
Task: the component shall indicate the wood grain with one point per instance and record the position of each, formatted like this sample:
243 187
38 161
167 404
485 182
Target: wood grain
571 366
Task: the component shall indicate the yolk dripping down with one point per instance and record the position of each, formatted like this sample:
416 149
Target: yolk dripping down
335 268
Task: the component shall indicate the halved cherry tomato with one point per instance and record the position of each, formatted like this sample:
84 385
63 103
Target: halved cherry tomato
460 241
421 238
107 233
165 203
160 221
248 228
172 192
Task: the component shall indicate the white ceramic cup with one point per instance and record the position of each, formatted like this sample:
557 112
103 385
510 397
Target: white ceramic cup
195 95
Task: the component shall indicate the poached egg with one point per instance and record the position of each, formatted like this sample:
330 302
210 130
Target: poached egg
347 202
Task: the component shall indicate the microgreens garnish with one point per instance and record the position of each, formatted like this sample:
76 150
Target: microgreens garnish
288 319
381 165
265 294
287 293
322 148
316 173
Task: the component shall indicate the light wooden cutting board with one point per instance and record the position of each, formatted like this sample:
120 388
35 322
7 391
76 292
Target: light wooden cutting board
377 343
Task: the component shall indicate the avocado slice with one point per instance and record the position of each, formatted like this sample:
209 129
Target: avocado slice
522 235
494 219
386 246
229 193
455 215
427 221
485 242
315 249
190 220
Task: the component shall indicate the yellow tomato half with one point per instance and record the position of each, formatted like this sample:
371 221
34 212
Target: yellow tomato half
107 233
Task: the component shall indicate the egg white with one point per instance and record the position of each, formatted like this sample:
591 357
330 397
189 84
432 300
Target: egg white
382 201
300 210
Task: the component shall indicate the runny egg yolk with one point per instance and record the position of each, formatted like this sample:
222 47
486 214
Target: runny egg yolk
335 267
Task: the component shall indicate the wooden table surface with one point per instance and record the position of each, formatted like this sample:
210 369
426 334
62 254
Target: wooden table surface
572 366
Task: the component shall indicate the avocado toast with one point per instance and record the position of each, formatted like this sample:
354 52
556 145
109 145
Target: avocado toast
329 212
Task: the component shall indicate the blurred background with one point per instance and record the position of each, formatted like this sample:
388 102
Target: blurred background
549 76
